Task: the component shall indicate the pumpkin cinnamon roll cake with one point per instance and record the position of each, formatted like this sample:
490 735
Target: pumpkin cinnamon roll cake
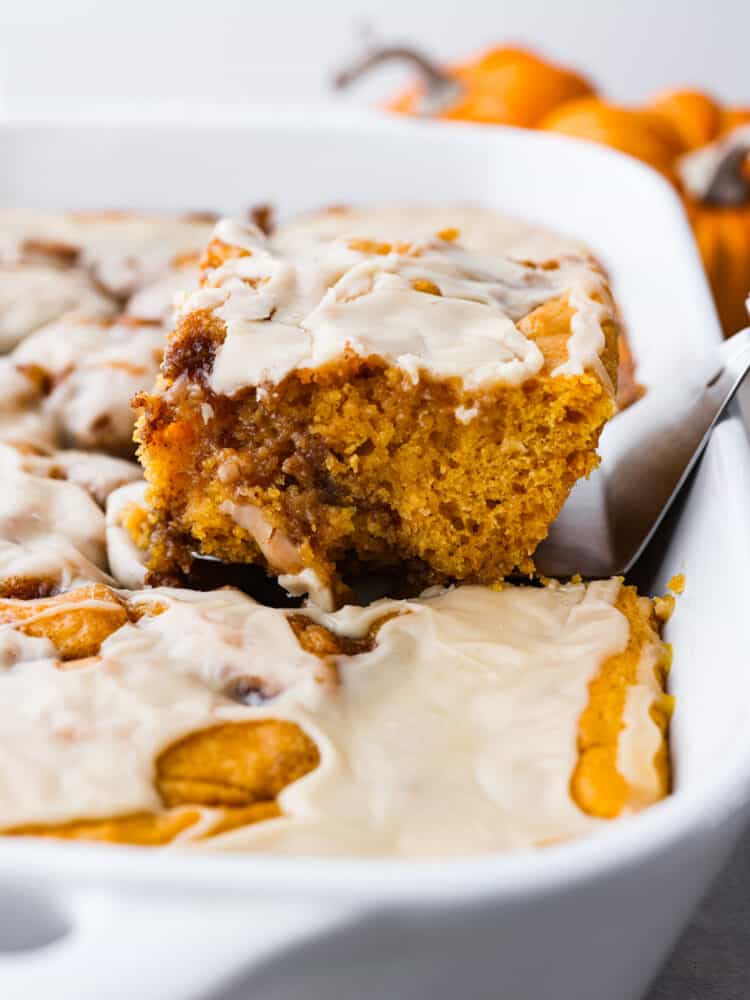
160 714
364 403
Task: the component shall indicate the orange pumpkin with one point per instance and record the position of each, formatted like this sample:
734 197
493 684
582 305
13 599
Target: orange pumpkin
732 118
505 86
718 206
694 116
723 236
643 134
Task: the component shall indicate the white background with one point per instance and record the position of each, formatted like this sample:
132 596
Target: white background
75 55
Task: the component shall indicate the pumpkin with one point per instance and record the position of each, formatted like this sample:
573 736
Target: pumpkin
641 133
694 116
674 124
514 87
732 118
723 236
505 86
716 182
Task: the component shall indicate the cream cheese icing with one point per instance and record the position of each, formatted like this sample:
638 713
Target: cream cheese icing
98 474
122 251
455 733
50 528
97 367
33 295
21 416
127 563
480 229
426 306
157 301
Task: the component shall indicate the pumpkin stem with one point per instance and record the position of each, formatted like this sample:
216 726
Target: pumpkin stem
729 184
715 174
441 90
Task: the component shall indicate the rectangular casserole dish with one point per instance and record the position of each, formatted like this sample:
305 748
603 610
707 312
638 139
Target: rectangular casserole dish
585 920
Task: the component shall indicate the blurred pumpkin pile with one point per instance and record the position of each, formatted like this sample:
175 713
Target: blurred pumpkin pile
699 145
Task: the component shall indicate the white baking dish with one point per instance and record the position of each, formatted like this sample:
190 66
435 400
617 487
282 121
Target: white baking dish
590 920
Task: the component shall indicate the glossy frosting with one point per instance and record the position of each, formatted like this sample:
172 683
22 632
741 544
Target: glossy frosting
33 295
96 367
93 263
480 229
121 251
127 563
51 528
425 306
455 733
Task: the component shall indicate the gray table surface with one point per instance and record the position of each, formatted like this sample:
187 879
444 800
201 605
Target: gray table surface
712 959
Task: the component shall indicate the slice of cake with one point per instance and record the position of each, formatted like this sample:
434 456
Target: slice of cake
470 720
367 404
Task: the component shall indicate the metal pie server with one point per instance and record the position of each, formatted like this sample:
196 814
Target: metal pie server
609 519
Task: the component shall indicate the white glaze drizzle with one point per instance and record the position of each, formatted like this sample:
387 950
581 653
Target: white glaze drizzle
307 308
